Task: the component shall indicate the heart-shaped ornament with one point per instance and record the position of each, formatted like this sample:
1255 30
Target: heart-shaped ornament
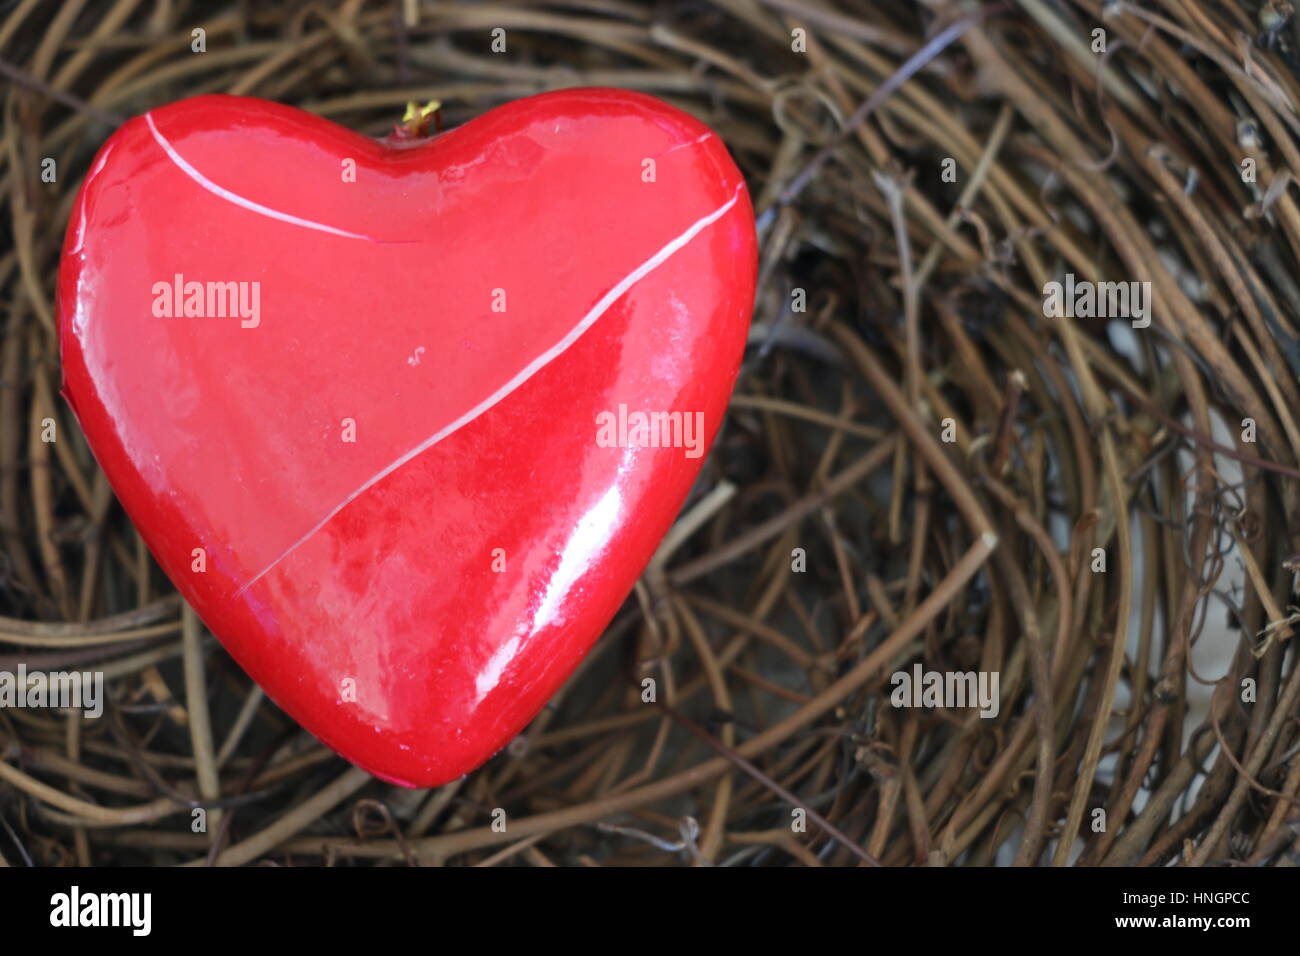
404 421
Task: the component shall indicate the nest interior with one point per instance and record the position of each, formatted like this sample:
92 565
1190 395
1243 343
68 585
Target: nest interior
934 458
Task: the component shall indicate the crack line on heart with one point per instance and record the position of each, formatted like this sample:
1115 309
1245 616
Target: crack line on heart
239 200
533 367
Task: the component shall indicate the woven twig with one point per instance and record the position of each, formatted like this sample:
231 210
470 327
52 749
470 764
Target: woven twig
926 462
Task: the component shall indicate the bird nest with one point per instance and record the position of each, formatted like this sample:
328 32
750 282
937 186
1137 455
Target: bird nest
1018 418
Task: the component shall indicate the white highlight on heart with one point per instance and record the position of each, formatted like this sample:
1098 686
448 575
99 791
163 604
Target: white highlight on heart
237 199
694 142
81 202
588 540
533 367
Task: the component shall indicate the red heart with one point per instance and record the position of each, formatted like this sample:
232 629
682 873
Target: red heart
470 310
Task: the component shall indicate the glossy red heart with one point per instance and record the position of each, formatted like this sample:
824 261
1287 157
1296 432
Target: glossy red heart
245 287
